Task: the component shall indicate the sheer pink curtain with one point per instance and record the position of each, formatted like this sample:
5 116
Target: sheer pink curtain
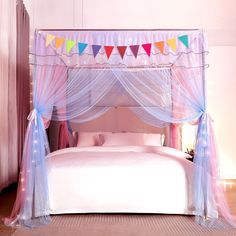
175 134
13 94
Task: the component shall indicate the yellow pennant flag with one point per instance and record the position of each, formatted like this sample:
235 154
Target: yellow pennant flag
49 39
172 44
69 45
59 42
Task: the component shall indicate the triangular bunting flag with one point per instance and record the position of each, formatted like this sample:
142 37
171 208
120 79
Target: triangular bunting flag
147 47
49 39
108 50
59 42
184 40
172 43
134 49
122 50
160 46
69 45
81 47
96 49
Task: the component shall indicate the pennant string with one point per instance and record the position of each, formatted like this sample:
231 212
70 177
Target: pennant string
160 45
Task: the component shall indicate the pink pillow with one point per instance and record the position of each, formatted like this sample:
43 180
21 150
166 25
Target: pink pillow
87 139
131 139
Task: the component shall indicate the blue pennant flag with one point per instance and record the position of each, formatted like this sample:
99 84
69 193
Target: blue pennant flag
81 47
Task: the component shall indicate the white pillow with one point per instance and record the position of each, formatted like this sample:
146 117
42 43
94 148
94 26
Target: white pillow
132 139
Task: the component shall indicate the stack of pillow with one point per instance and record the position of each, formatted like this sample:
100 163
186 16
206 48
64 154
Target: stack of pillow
86 139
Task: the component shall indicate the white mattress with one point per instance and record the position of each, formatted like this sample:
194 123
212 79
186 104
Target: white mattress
126 179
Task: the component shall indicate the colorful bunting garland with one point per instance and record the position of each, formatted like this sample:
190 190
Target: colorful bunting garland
147 47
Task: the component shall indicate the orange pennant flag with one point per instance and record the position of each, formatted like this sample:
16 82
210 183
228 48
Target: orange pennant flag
108 50
59 42
172 44
160 46
49 39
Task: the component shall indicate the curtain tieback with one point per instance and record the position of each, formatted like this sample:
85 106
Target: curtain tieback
207 115
32 115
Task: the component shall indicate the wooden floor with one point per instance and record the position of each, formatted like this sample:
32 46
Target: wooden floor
7 198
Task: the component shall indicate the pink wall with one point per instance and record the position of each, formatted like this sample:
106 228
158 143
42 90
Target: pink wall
216 16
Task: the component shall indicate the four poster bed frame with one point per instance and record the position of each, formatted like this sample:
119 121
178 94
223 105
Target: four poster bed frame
160 76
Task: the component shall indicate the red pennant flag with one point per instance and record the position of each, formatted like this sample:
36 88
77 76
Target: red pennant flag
122 50
108 50
147 47
134 49
160 46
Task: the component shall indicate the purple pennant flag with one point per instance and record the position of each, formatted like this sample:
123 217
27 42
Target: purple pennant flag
96 49
134 49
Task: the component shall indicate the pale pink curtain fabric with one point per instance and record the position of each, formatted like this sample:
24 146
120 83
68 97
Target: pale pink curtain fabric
8 110
175 136
14 87
63 136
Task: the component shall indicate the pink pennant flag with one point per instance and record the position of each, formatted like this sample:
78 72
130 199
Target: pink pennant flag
147 47
134 49
108 50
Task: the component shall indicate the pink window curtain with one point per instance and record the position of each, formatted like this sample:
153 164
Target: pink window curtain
63 136
14 84
8 111
175 136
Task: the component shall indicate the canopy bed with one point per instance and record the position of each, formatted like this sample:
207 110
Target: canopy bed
78 75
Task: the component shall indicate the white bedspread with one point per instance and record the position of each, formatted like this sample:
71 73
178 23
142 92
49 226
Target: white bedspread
120 179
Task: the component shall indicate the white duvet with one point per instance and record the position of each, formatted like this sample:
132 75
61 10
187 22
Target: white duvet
129 179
